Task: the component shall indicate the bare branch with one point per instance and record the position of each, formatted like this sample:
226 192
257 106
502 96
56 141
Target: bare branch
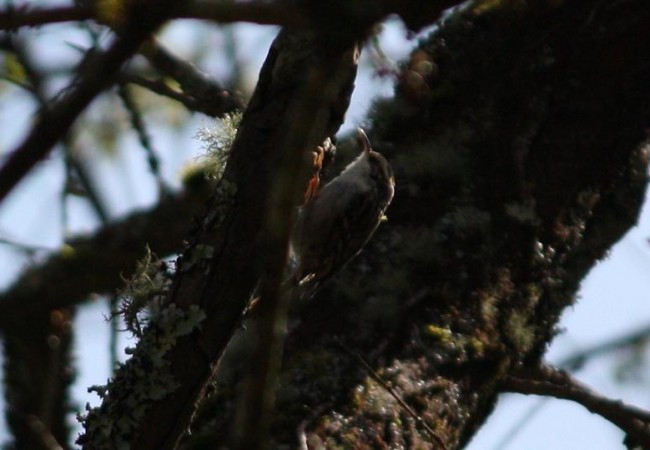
53 123
221 12
102 258
36 87
318 15
285 15
577 360
140 128
553 382
27 16
192 104
36 403
200 91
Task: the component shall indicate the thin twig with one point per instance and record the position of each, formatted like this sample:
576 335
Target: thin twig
28 249
53 123
573 363
553 382
138 125
161 88
375 376
27 16
35 85
577 360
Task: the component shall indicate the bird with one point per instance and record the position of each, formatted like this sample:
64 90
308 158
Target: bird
336 222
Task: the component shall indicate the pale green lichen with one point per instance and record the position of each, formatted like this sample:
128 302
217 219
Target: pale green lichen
217 142
145 378
458 344
144 291
520 331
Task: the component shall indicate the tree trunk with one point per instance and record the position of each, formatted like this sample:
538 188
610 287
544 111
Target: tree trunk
518 138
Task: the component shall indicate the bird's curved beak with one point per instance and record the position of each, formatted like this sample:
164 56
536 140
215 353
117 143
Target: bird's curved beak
363 139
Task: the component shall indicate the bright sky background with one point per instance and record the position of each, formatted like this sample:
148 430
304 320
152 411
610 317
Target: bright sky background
614 298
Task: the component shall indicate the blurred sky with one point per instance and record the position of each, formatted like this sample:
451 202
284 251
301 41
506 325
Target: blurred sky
614 297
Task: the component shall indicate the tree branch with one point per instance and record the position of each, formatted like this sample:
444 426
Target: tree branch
316 15
549 381
260 13
299 16
54 122
102 258
200 91
140 129
281 14
27 16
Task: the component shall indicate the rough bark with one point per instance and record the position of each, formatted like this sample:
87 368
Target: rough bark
218 271
518 138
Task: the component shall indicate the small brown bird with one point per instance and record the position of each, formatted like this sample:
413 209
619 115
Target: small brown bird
337 222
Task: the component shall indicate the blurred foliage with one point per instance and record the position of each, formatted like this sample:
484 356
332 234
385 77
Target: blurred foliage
13 70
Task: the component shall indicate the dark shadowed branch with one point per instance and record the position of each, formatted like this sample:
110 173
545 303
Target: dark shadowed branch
260 13
200 92
26 16
102 258
139 127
